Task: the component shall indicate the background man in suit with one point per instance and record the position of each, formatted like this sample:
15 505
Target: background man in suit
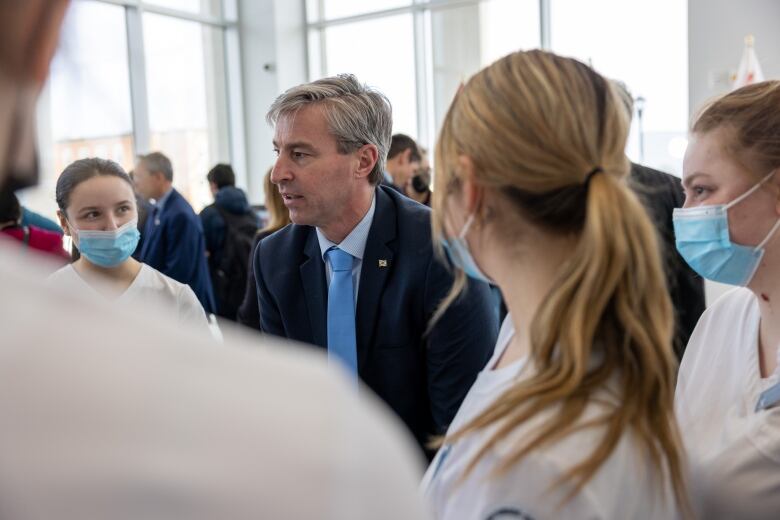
173 235
403 159
356 273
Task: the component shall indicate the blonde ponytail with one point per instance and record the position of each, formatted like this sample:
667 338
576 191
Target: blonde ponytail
607 321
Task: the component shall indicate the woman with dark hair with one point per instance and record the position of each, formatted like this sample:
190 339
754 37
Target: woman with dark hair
278 217
97 208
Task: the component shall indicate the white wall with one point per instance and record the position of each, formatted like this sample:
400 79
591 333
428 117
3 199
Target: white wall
273 55
716 33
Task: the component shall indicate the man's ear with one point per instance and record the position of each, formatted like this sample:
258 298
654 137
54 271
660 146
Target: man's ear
367 157
406 156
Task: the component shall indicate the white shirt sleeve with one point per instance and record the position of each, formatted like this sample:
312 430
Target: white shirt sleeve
190 311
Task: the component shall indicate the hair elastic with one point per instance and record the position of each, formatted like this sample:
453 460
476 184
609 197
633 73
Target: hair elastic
594 171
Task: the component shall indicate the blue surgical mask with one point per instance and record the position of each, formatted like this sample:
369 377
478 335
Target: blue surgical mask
109 248
703 240
457 250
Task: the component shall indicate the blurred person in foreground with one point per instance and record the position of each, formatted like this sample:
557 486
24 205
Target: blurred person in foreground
111 413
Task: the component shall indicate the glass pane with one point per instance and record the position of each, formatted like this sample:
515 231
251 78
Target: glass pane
341 8
382 62
187 102
85 109
507 26
607 34
204 7
455 54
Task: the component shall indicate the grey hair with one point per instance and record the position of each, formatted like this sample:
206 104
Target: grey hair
158 162
356 114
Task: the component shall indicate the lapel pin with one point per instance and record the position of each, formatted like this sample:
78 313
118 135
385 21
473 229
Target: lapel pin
383 263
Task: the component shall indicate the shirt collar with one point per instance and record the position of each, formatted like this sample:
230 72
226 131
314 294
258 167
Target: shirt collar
355 242
163 200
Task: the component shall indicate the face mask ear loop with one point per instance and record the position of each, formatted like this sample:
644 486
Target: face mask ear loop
749 192
769 236
466 227
127 225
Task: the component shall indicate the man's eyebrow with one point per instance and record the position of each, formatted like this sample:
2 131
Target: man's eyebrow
300 144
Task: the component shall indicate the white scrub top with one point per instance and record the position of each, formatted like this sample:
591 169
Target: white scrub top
734 449
149 288
624 487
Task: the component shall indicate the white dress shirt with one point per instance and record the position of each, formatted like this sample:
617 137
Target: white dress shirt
354 244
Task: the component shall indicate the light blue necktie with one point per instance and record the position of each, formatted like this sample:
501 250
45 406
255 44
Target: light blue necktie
341 310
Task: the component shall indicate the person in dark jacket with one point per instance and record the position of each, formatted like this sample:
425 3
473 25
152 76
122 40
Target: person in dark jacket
173 236
229 218
661 193
278 217
228 198
355 273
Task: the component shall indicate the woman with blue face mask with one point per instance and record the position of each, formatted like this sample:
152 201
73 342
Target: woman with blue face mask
573 416
728 390
97 209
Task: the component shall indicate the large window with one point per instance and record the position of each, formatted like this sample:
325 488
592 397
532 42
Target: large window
620 40
388 66
133 76
185 82
418 52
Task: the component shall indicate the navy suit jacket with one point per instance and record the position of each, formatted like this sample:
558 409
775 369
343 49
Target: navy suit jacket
176 248
424 378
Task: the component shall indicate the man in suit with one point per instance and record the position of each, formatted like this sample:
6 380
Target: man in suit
173 235
403 160
356 273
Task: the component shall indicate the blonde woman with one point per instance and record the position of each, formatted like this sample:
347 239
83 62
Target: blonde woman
728 391
278 217
573 415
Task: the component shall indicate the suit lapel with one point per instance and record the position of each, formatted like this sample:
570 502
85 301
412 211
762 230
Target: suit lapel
377 265
315 289
151 229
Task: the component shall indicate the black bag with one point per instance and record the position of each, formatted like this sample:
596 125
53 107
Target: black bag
230 274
